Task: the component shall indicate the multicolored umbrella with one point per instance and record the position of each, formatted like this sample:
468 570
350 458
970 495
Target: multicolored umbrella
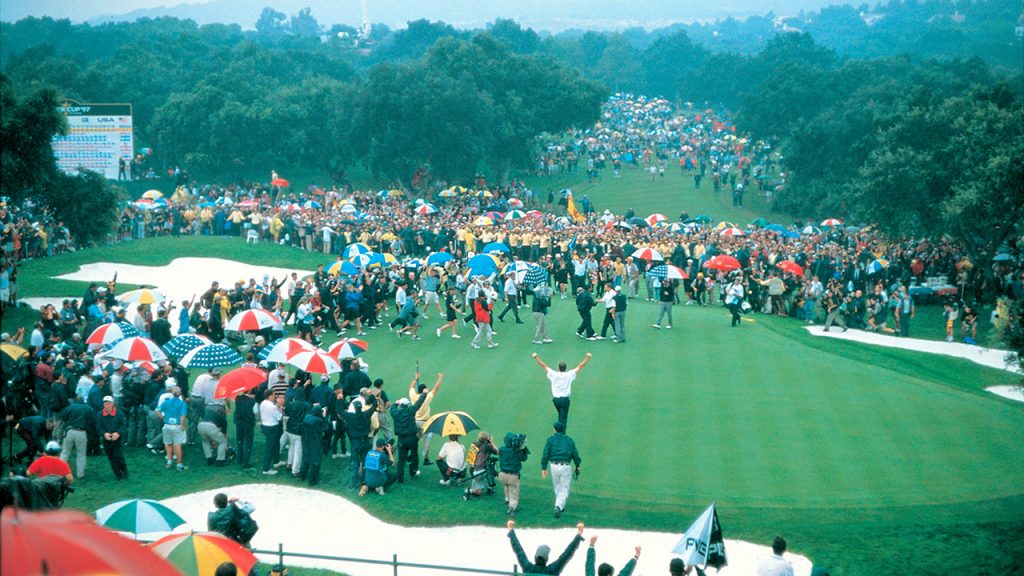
514 203
137 348
448 423
111 333
347 348
425 209
314 362
239 380
449 193
514 215
70 542
724 224
732 231
254 321
647 253
809 230
830 222
791 267
146 365
342 267
439 259
281 349
484 194
138 517
210 356
653 219
483 221
724 263
152 194
876 266
668 271
200 553
142 296
184 343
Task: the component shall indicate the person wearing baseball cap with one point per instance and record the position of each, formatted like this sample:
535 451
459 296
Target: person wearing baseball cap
50 464
112 427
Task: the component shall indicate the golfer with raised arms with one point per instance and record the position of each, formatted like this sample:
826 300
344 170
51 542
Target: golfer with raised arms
561 385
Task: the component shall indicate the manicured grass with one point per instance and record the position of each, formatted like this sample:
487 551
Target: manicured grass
853 452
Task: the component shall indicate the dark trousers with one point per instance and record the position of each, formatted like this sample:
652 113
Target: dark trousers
735 309
562 407
116 457
608 323
311 473
338 437
244 438
587 325
272 449
510 305
360 446
408 451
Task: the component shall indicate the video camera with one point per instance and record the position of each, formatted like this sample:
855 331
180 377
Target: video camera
519 442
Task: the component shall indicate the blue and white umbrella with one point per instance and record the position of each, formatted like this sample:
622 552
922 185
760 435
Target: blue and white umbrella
414 263
183 344
311 204
776 228
342 267
495 247
353 250
482 265
211 356
808 230
535 275
439 259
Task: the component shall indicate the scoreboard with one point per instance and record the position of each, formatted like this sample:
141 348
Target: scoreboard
99 135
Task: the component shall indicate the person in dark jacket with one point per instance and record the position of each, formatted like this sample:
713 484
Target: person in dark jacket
358 425
560 451
111 426
245 424
511 455
294 413
403 417
77 418
606 569
160 329
228 519
540 563
34 431
313 427
584 304
100 390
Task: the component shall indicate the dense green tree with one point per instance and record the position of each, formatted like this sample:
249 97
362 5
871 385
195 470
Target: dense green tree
271 22
27 128
85 202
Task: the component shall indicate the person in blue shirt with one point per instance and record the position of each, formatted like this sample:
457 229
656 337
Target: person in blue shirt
183 317
409 317
174 414
378 472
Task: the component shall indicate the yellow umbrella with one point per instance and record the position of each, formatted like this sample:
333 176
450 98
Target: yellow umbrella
448 423
484 194
395 193
723 225
483 221
142 296
390 258
449 193
152 194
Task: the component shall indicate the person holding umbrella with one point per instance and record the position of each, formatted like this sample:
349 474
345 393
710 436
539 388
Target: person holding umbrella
561 385
416 390
560 451
403 414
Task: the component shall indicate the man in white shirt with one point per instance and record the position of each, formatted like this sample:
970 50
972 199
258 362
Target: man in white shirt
36 339
561 385
201 390
511 298
776 565
608 298
451 458
734 298
270 416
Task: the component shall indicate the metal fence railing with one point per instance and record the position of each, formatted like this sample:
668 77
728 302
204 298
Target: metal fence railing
281 554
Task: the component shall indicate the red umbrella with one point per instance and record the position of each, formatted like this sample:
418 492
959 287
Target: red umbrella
649 254
69 542
110 333
315 361
239 380
254 320
280 182
347 348
724 263
791 267
137 348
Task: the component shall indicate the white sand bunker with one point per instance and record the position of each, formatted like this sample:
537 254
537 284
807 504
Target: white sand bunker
179 280
315 522
1011 392
991 357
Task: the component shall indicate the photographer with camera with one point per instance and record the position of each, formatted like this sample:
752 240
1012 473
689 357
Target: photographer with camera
511 456
483 468
233 519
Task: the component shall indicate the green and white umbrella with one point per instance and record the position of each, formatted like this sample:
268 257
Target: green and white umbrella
138 517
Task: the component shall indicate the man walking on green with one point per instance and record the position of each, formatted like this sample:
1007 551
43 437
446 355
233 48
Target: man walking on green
560 452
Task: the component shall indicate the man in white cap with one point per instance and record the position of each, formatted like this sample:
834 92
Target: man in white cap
50 465
112 427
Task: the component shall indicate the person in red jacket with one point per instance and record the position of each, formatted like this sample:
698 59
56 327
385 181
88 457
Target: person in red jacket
482 317
50 465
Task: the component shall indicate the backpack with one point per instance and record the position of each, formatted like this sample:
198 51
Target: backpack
376 461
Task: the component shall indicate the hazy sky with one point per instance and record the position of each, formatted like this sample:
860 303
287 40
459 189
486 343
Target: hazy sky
543 14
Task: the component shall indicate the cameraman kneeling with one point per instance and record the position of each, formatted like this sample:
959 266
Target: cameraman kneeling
510 459
232 519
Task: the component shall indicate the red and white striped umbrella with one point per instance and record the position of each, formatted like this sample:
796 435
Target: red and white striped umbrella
281 350
137 348
832 222
254 320
534 214
653 219
649 254
424 209
146 365
732 231
347 348
110 333
315 362
514 203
